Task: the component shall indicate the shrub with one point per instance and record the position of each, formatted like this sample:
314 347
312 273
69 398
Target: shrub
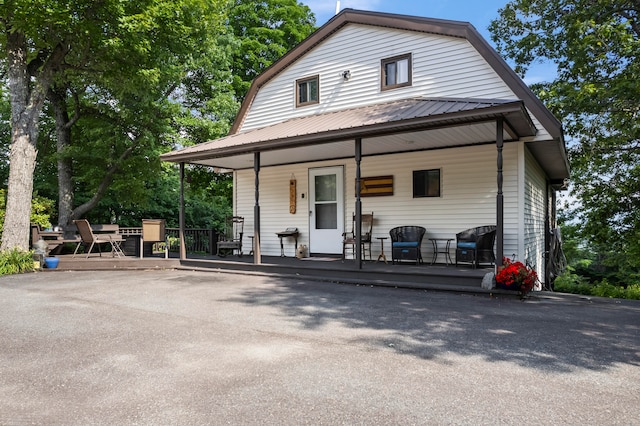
41 209
575 284
15 261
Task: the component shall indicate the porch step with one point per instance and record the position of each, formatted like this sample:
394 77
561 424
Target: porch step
402 275
406 275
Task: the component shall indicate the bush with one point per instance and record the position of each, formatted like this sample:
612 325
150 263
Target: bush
41 209
15 261
575 284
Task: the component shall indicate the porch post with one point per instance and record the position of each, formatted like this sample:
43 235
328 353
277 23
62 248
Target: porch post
499 196
257 259
183 245
358 205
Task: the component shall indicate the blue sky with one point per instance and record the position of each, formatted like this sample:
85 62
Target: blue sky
478 12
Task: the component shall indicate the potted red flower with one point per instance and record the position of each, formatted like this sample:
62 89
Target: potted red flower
516 276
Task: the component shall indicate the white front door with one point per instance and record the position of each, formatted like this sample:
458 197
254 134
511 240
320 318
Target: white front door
326 210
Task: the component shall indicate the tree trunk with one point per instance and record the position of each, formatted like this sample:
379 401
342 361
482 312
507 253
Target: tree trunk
15 232
27 94
22 157
63 140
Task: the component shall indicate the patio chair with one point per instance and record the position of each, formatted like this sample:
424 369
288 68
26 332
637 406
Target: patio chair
349 238
231 240
406 243
475 245
87 237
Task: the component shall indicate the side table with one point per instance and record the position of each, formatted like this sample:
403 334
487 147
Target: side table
382 255
444 250
289 232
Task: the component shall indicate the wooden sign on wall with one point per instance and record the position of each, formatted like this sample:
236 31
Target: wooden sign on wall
376 186
292 196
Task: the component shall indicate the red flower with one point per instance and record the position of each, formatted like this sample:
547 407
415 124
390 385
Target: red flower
517 276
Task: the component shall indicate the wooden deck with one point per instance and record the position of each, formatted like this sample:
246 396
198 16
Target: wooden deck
408 275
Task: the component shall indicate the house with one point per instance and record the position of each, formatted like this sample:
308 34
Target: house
423 113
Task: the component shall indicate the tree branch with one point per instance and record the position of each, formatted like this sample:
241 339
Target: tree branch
82 209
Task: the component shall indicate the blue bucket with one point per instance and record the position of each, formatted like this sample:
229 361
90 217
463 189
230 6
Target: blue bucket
51 262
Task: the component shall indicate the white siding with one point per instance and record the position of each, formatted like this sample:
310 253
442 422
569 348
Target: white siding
442 67
535 208
468 178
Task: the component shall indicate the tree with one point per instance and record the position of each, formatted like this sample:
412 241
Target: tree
595 46
36 40
54 47
266 30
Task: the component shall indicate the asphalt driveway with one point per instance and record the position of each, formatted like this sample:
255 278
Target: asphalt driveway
185 347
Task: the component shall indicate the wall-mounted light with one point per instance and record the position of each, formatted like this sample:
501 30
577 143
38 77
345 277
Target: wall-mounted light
346 75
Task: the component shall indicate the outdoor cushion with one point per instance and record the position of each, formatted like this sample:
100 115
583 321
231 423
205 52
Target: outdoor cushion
467 244
403 244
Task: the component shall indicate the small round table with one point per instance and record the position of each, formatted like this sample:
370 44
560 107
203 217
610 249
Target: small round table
444 250
382 255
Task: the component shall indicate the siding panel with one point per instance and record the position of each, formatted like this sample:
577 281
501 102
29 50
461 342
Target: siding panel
437 62
535 214
468 178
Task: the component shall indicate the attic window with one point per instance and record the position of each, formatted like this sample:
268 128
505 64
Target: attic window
396 72
307 91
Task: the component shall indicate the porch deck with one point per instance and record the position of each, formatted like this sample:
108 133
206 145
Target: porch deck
407 275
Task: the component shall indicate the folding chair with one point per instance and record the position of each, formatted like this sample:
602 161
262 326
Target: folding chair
87 237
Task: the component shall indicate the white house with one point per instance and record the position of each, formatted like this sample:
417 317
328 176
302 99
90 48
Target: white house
426 107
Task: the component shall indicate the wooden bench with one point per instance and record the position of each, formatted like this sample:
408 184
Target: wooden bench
54 239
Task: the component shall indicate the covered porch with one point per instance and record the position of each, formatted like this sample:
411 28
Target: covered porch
411 125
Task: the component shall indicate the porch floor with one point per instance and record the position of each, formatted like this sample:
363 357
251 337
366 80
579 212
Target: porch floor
405 274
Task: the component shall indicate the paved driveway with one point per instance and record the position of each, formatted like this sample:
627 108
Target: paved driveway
182 347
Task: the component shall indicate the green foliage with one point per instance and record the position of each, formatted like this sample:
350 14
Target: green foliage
140 79
15 261
595 46
572 283
266 30
591 266
41 209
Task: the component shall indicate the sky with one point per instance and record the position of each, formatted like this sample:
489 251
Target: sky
478 12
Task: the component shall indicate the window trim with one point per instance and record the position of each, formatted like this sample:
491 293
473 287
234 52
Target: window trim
426 174
300 81
396 59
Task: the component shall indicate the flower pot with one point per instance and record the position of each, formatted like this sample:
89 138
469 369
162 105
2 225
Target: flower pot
514 287
51 262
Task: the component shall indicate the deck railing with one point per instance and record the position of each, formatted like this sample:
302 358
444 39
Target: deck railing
197 240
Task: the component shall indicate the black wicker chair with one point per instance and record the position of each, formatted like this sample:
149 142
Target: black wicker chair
406 242
475 245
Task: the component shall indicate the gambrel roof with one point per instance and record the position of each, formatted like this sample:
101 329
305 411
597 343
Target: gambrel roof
390 126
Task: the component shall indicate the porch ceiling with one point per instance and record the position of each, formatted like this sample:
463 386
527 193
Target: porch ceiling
408 125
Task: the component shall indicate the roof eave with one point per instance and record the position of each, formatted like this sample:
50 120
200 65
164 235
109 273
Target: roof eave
518 123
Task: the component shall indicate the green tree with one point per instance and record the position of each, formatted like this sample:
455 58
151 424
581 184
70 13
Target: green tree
595 46
35 37
139 96
128 57
266 30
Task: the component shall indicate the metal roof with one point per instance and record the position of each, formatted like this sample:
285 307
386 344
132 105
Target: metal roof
406 117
